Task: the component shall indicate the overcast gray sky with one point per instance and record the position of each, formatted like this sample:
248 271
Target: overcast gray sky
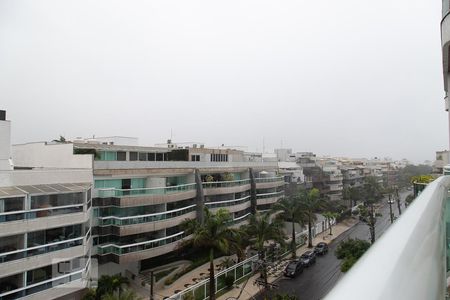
350 78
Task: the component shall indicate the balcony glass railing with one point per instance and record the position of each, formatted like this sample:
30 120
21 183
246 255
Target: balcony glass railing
132 220
106 193
227 202
125 249
270 179
222 184
40 213
270 195
43 249
46 284
409 260
240 219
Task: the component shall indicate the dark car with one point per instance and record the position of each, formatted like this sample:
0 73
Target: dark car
321 248
293 268
308 258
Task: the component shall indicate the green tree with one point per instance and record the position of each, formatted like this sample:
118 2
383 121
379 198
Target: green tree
125 295
409 199
261 229
110 284
213 234
309 204
60 140
373 193
349 251
290 211
330 216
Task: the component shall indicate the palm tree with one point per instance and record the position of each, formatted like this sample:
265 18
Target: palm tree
213 234
261 229
309 204
329 215
125 295
373 193
290 212
110 284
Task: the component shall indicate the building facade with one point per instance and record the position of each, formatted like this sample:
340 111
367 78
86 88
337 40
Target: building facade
45 225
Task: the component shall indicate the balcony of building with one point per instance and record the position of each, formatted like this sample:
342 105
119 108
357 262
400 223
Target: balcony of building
271 182
269 198
51 281
232 205
40 248
225 187
142 250
144 196
411 259
31 208
135 224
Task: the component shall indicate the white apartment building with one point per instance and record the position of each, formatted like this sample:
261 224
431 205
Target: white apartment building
45 215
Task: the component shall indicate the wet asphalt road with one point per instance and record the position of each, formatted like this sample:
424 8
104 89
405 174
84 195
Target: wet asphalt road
316 281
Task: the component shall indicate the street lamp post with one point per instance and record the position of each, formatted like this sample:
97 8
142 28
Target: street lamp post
390 209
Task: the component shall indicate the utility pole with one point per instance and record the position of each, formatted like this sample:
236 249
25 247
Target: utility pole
151 286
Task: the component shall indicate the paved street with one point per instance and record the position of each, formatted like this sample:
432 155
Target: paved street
315 282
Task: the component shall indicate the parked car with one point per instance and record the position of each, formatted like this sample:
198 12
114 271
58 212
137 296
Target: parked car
308 258
321 248
293 268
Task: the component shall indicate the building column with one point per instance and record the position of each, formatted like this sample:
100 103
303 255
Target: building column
252 191
200 198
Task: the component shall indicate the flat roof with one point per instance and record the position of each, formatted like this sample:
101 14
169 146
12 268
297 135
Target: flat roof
21 190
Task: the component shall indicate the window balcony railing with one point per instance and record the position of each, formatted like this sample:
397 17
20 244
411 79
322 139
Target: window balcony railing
409 260
140 219
222 184
42 249
240 219
46 284
270 195
227 202
130 248
270 179
112 192
40 212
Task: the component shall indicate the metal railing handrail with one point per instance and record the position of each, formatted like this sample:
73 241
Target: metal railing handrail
408 261
227 201
49 280
141 243
147 189
148 215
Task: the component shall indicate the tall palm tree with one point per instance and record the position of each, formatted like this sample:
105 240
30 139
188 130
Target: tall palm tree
329 215
125 295
261 229
309 204
110 284
290 212
213 234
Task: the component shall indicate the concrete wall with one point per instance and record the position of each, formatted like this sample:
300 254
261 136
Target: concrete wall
41 155
31 177
5 145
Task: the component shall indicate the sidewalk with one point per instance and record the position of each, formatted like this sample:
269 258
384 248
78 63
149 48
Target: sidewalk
251 290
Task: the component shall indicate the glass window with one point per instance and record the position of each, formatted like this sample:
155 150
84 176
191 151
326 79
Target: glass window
55 200
133 156
121 155
142 156
151 156
159 157
108 155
